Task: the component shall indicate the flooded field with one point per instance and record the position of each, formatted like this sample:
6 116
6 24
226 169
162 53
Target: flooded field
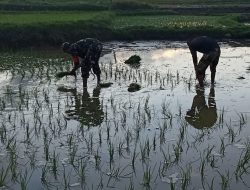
168 135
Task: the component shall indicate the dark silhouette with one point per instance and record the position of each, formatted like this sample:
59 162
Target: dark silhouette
200 115
211 54
87 110
85 54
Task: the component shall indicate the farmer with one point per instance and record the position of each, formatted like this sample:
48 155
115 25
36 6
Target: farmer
202 115
211 53
85 54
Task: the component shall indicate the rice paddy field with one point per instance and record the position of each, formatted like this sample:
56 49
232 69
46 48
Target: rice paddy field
168 135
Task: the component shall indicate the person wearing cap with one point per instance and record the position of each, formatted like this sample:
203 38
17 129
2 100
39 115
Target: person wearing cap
85 54
211 54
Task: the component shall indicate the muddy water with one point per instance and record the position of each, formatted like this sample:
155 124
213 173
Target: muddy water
54 135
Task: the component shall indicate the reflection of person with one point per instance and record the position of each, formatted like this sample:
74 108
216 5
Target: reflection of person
85 54
200 115
88 110
211 54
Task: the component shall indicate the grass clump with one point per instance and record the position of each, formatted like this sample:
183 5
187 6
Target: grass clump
133 87
105 85
133 61
63 74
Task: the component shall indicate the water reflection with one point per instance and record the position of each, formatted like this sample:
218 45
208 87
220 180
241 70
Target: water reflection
202 115
163 54
87 110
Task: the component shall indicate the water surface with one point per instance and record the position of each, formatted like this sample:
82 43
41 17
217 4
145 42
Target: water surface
54 135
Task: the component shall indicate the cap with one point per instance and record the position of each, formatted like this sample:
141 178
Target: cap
65 46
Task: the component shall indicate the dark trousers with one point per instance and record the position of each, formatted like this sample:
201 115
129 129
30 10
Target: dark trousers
91 61
211 59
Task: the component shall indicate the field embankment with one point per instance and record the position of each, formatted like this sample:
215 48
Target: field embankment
19 29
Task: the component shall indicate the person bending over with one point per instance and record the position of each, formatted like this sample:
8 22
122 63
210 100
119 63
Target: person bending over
211 53
85 54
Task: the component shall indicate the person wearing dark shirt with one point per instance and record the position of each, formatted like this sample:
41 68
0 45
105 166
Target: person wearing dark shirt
202 115
85 54
211 53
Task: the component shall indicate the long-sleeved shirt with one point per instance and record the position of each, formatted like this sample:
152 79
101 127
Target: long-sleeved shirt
203 44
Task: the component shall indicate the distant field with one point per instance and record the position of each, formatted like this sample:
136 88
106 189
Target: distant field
115 21
173 2
49 17
169 21
39 28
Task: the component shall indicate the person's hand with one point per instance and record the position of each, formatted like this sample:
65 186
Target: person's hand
190 113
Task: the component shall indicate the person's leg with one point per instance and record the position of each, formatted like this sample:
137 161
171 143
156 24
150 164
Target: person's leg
213 65
95 65
201 69
85 68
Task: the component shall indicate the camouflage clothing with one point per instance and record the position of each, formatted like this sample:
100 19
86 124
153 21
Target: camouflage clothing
86 54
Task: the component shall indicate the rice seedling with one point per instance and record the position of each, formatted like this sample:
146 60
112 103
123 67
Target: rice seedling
120 148
243 163
138 131
225 180
97 160
81 171
147 178
13 163
111 151
54 164
232 134
24 180
186 177
32 158
221 117
202 168
177 152
162 132
4 172
131 186
211 186
222 146
123 118
44 179
242 118
66 181
145 150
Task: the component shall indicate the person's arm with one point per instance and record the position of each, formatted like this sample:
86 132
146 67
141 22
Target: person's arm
195 60
194 56
76 64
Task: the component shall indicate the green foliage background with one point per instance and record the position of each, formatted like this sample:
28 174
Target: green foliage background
49 23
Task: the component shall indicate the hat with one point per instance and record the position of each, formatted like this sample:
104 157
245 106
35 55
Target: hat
65 46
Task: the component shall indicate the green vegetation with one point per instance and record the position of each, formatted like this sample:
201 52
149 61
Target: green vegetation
51 28
133 61
133 87
48 17
49 23
105 2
